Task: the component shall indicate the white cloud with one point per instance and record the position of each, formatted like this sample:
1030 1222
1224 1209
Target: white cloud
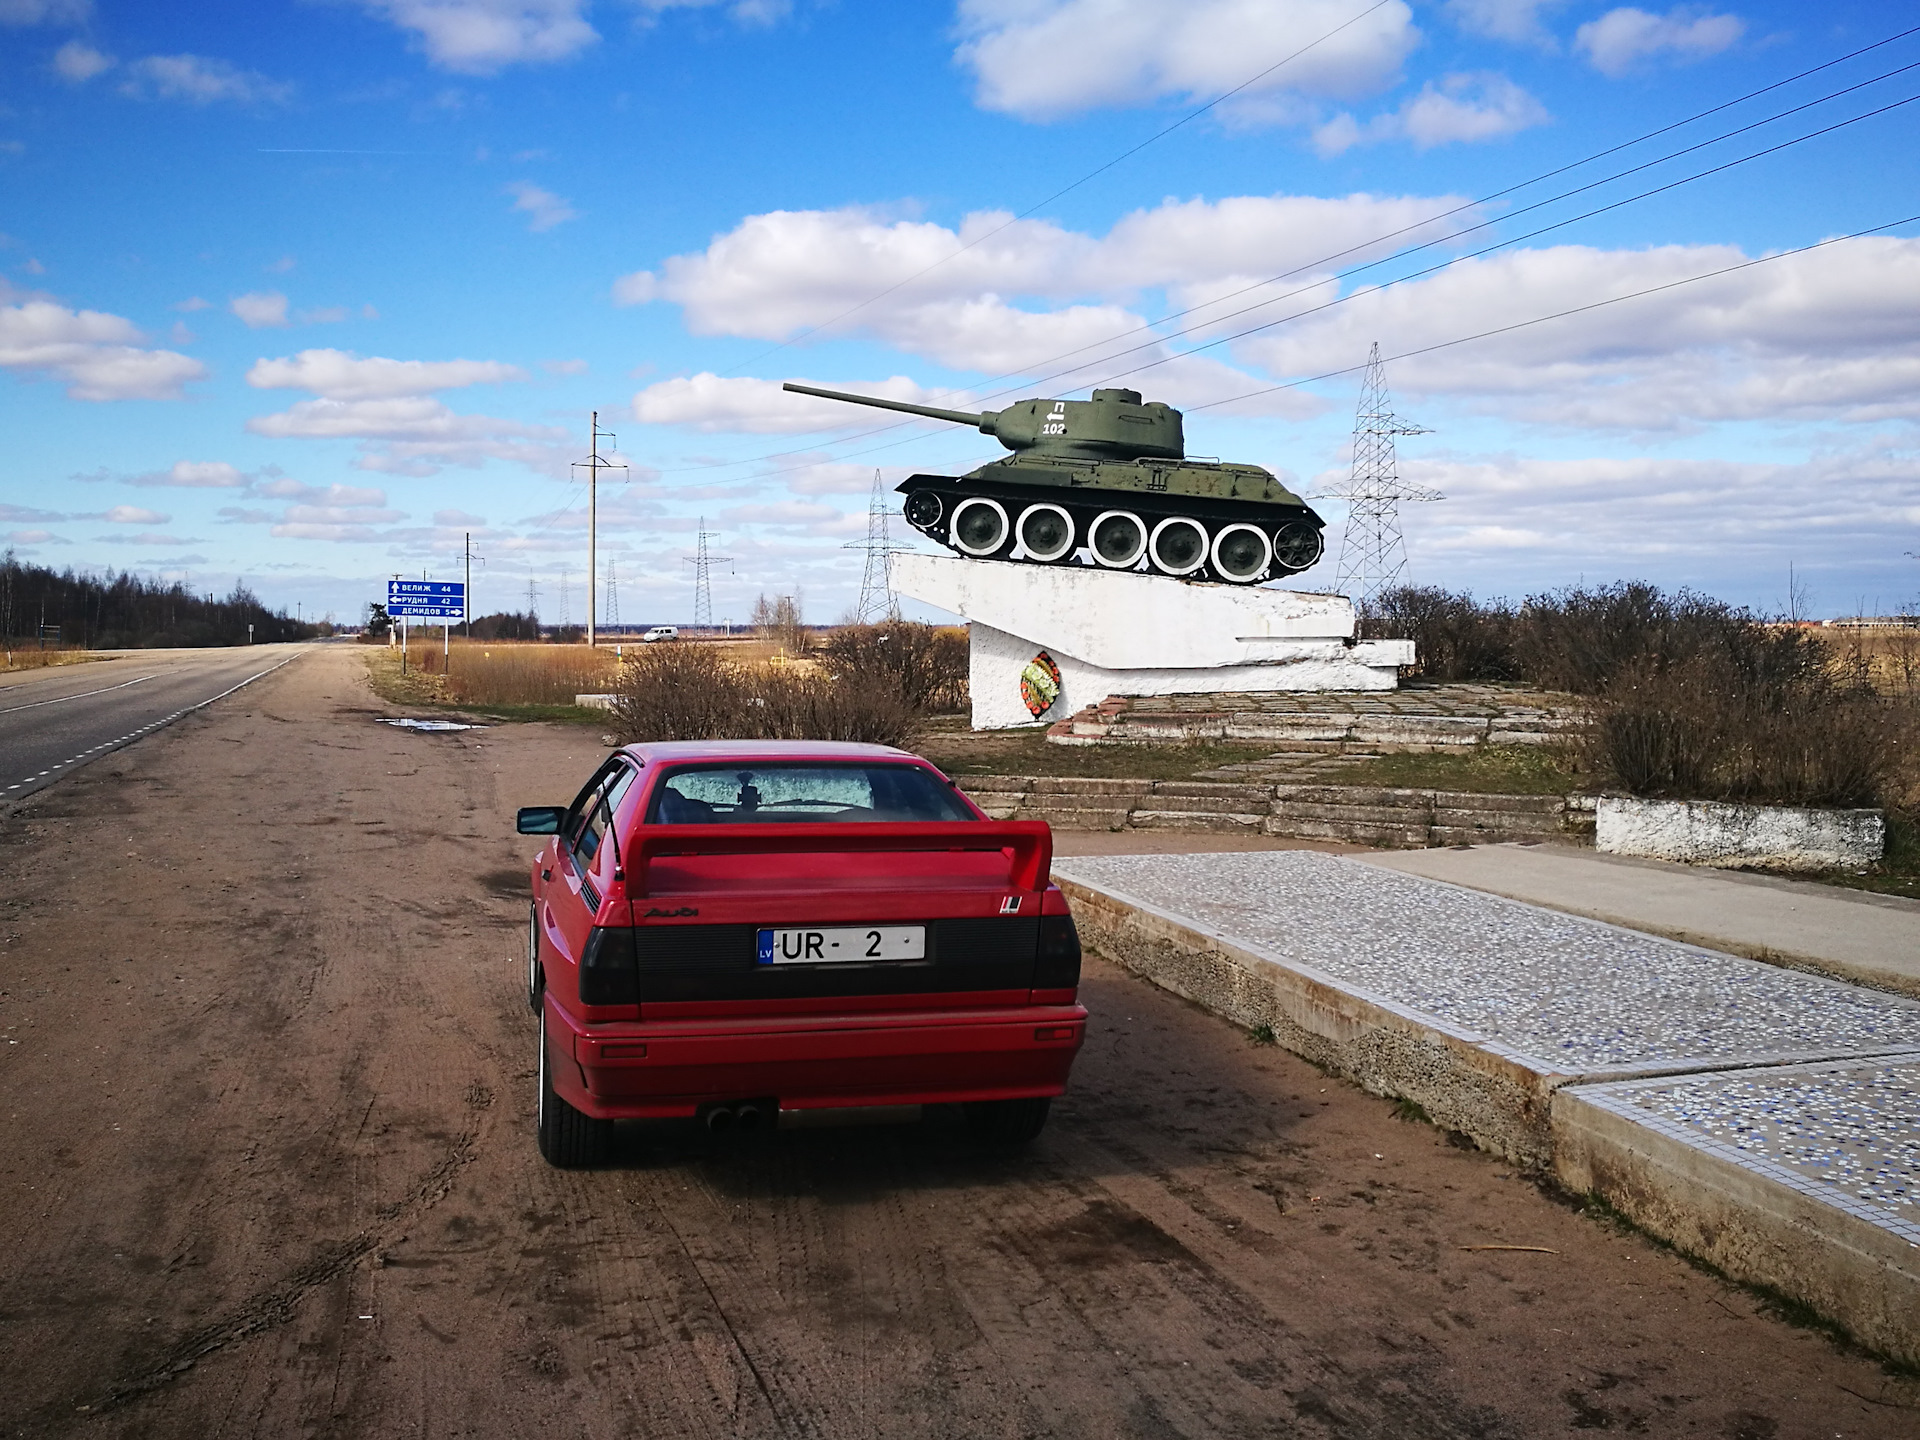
1045 59
1515 21
192 303
1622 40
77 62
98 355
35 537
260 309
148 537
1460 108
44 12
200 80
543 208
194 475
779 273
564 367
335 495
129 515
480 37
1716 523
1805 336
712 403
341 375
745 12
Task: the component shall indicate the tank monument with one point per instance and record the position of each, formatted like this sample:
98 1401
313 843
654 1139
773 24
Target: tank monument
1122 566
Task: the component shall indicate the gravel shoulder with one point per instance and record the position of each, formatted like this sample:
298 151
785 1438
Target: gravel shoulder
270 1171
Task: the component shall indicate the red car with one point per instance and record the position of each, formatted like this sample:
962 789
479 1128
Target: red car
729 929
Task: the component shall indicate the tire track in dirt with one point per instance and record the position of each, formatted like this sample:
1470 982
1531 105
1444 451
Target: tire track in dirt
276 1306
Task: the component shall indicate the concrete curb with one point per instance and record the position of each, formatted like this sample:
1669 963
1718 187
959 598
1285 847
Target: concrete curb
1756 1221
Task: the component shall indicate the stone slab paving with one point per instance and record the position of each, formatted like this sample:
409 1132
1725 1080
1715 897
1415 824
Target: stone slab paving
1847 1134
1565 995
1410 699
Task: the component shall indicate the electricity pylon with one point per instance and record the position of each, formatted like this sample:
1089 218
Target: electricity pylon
702 563
876 601
1373 552
613 594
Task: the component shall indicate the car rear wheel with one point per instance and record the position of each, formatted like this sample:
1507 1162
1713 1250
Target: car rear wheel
1006 1124
568 1139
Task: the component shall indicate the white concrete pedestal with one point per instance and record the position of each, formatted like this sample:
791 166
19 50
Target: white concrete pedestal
1114 632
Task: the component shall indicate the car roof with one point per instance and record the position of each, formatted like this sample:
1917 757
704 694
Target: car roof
787 751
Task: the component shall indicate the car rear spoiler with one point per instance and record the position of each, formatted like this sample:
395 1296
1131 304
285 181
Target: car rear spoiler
1030 840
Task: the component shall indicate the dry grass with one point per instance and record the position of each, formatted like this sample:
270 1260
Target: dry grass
1889 659
510 673
38 659
694 692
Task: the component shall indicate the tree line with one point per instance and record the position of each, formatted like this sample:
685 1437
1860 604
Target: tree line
128 611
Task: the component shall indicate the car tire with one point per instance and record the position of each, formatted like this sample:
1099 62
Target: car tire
1006 1124
536 981
568 1139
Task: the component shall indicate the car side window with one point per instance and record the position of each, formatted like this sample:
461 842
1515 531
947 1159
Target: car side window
597 813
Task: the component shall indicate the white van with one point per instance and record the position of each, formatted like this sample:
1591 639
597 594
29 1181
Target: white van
660 632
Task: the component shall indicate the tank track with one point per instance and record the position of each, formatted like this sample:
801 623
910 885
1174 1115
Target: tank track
1289 536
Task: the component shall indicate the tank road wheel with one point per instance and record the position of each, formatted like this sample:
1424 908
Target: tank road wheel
568 1139
1178 545
1241 553
979 525
923 509
1006 1124
1046 531
1297 545
1117 539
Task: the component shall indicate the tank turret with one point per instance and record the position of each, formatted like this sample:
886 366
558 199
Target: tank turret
1107 478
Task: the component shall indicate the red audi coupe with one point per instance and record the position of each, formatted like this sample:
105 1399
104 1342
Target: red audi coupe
729 929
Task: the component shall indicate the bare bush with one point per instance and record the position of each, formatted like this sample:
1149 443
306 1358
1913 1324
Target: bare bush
1710 729
691 692
925 665
1455 637
779 620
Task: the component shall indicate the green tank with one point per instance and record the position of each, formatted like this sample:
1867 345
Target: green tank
1108 476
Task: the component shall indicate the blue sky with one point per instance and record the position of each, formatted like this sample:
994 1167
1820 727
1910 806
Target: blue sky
307 292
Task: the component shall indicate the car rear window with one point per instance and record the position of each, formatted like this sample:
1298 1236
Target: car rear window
813 794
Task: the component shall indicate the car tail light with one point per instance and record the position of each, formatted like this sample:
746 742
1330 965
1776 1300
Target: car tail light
1058 967
609 969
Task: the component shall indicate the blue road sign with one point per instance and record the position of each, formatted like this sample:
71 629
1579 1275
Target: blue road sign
427 599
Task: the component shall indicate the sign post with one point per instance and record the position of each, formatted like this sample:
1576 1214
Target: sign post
442 600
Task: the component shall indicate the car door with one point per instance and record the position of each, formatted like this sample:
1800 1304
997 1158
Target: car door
572 897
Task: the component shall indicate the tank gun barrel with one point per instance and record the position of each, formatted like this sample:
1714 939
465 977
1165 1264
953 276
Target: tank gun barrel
983 422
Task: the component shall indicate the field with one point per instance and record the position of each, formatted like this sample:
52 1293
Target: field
505 681
32 657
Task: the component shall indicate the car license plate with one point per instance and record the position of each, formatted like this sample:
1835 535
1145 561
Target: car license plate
843 944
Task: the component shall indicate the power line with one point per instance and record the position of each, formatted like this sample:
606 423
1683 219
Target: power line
1498 245
1494 195
1091 174
1562 314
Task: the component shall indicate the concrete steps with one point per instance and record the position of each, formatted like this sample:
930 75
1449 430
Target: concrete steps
1356 814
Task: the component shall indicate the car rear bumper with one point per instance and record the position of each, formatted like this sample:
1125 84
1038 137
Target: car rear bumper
633 1070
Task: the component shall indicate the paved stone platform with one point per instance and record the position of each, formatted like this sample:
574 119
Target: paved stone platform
1766 1119
1570 996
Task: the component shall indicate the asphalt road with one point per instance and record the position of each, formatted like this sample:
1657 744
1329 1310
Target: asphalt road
54 721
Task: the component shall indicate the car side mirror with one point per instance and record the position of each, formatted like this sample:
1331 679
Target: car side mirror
540 819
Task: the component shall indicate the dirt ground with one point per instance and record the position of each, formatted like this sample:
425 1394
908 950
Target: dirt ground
269 1171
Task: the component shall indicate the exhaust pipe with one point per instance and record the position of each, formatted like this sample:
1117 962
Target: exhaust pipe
747 1117
719 1120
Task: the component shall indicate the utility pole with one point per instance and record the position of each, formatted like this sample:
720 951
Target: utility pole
594 465
702 585
466 591
1373 552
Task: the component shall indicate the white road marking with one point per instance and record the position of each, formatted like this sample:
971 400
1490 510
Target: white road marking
60 699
